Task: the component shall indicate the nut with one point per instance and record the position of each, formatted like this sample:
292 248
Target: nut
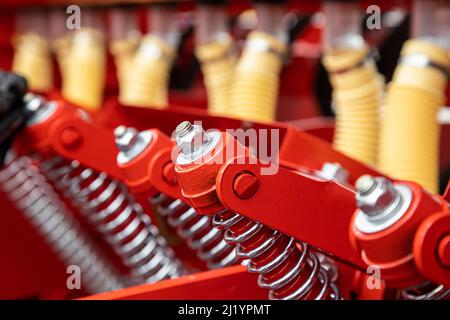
380 196
190 138
126 138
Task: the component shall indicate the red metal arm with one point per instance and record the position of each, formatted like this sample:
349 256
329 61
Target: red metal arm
235 283
307 208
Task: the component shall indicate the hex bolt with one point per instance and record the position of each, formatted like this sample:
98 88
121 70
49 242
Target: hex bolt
130 142
190 138
376 197
245 186
183 128
126 138
71 138
444 251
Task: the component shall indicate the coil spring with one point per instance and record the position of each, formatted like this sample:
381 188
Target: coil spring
41 205
289 273
425 291
110 209
198 230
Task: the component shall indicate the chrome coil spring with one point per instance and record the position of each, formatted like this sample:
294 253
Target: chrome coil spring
28 189
288 272
111 210
425 291
197 230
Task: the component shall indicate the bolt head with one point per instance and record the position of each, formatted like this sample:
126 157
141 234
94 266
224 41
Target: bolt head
126 138
71 138
379 197
245 186
191 140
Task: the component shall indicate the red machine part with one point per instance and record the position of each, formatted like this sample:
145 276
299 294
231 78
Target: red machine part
417 243
198 184
298 204
240 192
152 171
233 283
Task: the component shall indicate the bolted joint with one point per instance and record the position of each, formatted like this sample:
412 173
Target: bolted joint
71 138
190 138
130 143
245 186
126 138
376 197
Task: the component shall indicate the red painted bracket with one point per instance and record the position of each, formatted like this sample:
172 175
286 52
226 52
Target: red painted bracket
300 150
93 146
307 208
233 283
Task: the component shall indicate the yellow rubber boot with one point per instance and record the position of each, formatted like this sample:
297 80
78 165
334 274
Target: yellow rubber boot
255 89
218 61
85 70
123 52
33 60
357 94
409 146
146 81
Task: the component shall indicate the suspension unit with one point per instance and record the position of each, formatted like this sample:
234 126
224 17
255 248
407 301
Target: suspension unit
104 201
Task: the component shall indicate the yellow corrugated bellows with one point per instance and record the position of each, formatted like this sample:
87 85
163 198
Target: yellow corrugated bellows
255 89
218 61
84 69
33 60
357 94
123 51
145 83
409 146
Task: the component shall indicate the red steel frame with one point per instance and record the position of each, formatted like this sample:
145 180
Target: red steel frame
299 151
73 138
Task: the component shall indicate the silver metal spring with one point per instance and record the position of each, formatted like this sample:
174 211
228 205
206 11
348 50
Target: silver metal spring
425 291
112 211
197 230
28 189
268 251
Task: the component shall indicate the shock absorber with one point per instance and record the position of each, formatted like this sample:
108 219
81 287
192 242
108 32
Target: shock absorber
289 269
385 228
409 144
107 206
255 89
147 79
145 158
357 86
41 205
84 68
214 50
32 56
125 36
